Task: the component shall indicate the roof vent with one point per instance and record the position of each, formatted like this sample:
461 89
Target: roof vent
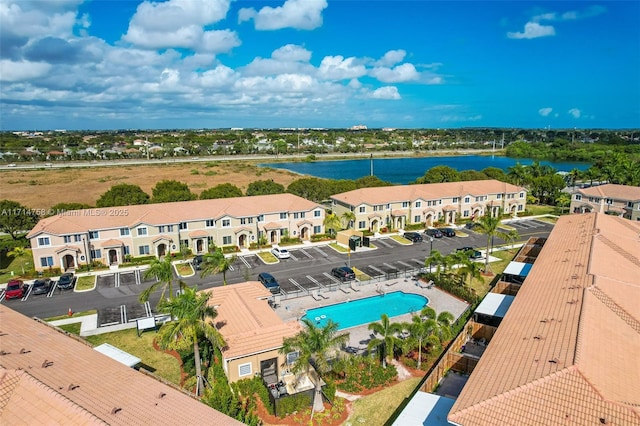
603 421
116 410
554 361
161 395
24 351
72 387
46 364
4 352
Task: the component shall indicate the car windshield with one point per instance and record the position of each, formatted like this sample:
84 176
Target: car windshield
13 287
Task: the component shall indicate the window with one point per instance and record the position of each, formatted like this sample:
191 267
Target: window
283 215
226 223
169 228
520 207
455 199
209 241
578 197
295 215
609 201
182 225
210 223
466 213
388 206
418 204
317 213
162 229
226 240
184 243
96 254
499 196
43 241
405 204
522 195
249 220
126 250
67 238
362 209
466 200
630 204
94 235
125 231
428 203
261 218
143 250
46 261
362 224
77 238
416 219
302 215
243 221
142 231
292 357
244 369
317 229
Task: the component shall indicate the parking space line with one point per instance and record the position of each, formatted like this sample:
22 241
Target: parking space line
406 264
313 280
379 271
292 256
147 308
294 282
123 314
419 262
384 243
323 254
306 254
245 262
332 278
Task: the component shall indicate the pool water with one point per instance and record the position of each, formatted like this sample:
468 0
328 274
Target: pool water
368 310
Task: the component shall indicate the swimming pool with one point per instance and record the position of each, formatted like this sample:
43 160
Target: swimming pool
368 310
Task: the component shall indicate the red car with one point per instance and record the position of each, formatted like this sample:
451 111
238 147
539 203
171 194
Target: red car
15 290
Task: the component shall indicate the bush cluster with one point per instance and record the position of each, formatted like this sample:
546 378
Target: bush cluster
357 373
452 285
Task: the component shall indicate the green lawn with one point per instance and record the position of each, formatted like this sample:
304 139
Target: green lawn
165 366
401 240
184 269
86 283
377 408
9 264
267 257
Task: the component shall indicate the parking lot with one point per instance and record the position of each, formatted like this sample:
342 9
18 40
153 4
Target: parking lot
308 268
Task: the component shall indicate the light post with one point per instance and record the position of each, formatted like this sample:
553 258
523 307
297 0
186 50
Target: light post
430 253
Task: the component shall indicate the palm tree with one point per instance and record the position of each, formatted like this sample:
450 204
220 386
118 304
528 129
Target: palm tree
470 269
162 271
348 218
388 339
192 321
563 200
443 322
331 223
489 226
435 258
422 331
518 174
215 262
19 253
314 346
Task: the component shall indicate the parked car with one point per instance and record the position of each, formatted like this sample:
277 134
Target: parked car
470 225
413 236
280 253
66 281
41 286
15 290
434 233
269 282
473 253
344 273
197 262
448 232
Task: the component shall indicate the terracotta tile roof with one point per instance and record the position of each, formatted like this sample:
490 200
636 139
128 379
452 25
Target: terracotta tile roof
63 378
246 321
78 221
70 248
273 225
112 243
568 349
198 233
610 190
429 191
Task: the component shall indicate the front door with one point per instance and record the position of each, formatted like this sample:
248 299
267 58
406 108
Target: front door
113 257
162 250
199 246
68 262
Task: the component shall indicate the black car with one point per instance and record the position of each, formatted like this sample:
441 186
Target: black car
470 225
473 253
435 233
448 232
269 282
413 236
66 281
41 286
197 262
344 273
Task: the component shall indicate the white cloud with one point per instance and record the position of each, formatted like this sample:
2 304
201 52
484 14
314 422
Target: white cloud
291 52
575 112
338 68
533 30
545 111
391 58
22 70
298 14
288 59
31 19
400 73
386 92
180 24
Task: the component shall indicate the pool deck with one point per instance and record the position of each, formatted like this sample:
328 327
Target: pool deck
294 309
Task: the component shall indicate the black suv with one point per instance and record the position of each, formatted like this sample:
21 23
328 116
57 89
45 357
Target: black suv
344 273
473 253
435 233
448 232
413 236
66 281
269 282
41 286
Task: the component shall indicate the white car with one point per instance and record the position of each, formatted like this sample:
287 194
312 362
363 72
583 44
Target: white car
280 253
11 165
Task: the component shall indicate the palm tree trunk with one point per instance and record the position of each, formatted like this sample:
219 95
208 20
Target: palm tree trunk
318 405
419 354
196 356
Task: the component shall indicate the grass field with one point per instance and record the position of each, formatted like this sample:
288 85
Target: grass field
377 408
11 267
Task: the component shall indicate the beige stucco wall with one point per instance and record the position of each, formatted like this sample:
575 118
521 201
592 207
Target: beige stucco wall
232 366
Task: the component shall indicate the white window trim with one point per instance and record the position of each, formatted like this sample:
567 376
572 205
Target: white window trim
241 366
140 229
43 244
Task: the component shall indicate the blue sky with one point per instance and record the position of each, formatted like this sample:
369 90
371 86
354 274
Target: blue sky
73 64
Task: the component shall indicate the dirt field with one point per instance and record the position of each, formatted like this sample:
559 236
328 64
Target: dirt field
41 189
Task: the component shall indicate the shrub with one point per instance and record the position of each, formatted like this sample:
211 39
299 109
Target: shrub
293 403
452 285
247 388
230 249
356 373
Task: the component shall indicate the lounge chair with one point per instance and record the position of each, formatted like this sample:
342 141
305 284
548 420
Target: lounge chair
323 296
354 288
391 283
344 290
425 285
314 294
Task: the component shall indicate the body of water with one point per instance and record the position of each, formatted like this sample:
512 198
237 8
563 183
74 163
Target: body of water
367 310
407 170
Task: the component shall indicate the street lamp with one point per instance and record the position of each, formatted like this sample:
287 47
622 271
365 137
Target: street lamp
430 253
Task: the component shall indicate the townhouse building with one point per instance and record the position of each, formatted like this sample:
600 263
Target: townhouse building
619 200
110 235
397 206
